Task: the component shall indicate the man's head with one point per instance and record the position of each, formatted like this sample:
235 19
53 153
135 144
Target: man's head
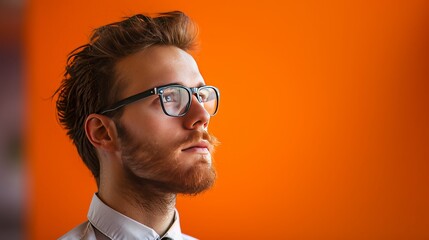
151 146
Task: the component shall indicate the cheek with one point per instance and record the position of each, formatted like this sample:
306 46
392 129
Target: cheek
163 129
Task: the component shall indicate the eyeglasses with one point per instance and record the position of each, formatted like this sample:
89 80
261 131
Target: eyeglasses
175 99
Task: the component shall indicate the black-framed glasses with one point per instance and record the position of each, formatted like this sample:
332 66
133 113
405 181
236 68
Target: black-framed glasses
175 99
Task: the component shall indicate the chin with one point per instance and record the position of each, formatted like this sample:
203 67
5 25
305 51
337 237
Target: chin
198 159
183 174
198 185
197 177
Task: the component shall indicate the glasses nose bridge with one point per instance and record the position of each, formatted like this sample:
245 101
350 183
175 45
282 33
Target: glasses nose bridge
195 91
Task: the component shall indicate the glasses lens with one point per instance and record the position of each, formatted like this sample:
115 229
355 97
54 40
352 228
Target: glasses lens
209 97
175 100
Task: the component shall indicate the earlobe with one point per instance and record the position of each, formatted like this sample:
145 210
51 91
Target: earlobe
99 131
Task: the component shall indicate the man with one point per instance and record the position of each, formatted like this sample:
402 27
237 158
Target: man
137 108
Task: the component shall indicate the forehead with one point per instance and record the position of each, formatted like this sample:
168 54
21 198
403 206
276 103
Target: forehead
156 66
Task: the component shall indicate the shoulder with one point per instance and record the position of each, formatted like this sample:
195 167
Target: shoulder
83 231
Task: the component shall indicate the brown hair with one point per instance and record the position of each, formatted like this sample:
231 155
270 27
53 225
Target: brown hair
89 82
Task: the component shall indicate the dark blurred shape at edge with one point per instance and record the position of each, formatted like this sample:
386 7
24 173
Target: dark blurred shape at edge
12 179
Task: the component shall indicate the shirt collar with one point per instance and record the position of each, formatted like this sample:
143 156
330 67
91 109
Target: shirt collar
118 226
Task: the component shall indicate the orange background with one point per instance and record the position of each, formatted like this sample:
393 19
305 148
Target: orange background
324 118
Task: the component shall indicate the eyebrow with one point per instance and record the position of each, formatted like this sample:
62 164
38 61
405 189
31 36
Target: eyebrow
181 83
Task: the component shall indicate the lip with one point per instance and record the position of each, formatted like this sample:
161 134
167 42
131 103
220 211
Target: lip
200 147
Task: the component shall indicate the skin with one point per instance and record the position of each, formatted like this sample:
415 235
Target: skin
147 157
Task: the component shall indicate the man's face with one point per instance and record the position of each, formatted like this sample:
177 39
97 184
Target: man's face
170 153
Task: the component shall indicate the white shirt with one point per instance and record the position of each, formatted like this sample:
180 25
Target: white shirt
106 223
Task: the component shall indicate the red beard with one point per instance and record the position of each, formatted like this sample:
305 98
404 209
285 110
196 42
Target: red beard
151 165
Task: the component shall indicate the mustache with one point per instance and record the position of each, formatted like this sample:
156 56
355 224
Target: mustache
197 136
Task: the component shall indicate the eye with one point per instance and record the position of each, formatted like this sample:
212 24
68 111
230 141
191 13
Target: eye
170 97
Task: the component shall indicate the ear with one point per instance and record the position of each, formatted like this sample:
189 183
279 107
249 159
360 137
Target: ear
101 132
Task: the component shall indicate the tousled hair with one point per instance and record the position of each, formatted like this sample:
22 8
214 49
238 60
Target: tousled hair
90 83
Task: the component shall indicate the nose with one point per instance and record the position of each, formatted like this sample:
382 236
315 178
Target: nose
197 116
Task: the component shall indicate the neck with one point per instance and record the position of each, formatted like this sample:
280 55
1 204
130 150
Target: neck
142 202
